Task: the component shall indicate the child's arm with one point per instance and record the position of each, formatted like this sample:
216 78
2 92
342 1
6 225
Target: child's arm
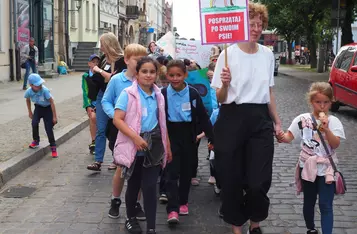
28 103
200 136
53 108
204 119
120 124
334 141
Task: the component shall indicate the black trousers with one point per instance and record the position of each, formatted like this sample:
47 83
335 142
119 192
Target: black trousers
46 114
111 134
183 149
146 179
244 149
195 161
163 181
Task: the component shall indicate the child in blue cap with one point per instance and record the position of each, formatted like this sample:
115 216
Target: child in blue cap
44 108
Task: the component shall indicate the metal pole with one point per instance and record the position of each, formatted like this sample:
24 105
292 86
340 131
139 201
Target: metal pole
11 50
338 26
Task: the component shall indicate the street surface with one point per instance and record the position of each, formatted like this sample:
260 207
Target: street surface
70 199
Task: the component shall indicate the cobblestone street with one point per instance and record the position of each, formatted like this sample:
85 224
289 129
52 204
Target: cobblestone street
70 199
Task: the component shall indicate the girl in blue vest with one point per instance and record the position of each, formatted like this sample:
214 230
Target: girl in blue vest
142 144
184 108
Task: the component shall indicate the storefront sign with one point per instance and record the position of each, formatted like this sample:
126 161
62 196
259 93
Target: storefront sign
23 22
224 21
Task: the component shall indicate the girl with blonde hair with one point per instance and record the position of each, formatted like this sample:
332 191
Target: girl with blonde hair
111 62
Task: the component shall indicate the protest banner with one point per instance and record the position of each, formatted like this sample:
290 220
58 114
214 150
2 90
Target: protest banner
193 50
199 80
222 22
167 42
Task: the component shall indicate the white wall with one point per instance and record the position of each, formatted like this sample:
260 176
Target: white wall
4 41
83 24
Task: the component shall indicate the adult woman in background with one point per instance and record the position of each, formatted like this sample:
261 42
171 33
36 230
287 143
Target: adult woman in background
111 62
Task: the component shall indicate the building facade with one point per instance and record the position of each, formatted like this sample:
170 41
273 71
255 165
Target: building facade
6 42
168 19
44 20
83 23
155 11
108 16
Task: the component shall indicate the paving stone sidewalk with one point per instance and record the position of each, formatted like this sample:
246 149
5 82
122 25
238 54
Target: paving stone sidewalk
301 74
15 125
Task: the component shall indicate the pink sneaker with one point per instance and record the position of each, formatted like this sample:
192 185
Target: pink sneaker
184 209
195 181
211 180
173 218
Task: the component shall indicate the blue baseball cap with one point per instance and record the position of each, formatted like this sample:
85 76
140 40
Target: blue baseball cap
93 56
35 79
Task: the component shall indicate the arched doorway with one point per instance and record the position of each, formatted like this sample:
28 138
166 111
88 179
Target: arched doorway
131 34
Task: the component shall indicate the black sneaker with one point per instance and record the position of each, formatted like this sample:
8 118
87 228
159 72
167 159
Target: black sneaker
114 208
92 147
151 231
255 231
132 225
313 231
140 214
163 198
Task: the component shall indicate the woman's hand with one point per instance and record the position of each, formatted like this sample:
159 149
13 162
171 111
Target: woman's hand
140 143
169 155
226 77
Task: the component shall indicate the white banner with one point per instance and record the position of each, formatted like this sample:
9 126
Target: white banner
193 50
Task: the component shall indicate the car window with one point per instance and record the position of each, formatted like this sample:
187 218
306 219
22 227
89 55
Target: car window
339 59
355 61
347 59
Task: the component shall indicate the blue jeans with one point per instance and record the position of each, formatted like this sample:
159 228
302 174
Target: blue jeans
326 194
29 64
100 138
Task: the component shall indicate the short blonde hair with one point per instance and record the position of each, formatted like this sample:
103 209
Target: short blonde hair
134 50
111 46
319 87
258 9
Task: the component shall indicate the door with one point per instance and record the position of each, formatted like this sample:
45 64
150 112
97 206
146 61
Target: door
352 82
342 92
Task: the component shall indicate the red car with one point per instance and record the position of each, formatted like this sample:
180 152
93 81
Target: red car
343 77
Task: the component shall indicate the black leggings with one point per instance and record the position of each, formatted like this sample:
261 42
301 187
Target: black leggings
146 179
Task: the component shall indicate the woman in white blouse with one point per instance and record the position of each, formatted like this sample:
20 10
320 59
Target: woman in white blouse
244 131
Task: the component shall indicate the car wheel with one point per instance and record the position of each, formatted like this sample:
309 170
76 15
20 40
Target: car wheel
335 106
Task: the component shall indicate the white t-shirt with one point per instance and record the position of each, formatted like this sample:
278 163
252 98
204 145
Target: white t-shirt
252 75
302 130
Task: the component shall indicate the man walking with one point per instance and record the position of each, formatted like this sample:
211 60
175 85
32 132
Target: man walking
29 59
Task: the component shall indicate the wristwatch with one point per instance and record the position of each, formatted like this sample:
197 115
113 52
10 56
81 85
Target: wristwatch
100 71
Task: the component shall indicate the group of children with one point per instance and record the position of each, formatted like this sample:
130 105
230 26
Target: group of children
158 129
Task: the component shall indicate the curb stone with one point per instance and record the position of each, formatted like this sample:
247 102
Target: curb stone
20 162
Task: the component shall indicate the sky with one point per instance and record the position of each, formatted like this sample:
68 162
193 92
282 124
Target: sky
186 18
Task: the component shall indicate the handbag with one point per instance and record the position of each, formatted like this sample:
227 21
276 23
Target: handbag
340 182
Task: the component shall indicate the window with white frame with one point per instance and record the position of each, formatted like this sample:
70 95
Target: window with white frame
73 14
87 15
1 20
94 17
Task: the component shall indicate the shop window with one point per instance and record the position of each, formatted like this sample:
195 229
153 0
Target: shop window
48 30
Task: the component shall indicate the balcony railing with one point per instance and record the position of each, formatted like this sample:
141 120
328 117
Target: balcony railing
132 12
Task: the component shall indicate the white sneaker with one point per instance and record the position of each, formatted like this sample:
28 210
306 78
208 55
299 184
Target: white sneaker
212 180
217 191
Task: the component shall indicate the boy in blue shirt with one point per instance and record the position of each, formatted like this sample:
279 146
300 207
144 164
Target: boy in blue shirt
44 108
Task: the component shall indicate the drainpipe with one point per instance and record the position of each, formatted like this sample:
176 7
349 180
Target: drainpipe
11 50
17 52
66 31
